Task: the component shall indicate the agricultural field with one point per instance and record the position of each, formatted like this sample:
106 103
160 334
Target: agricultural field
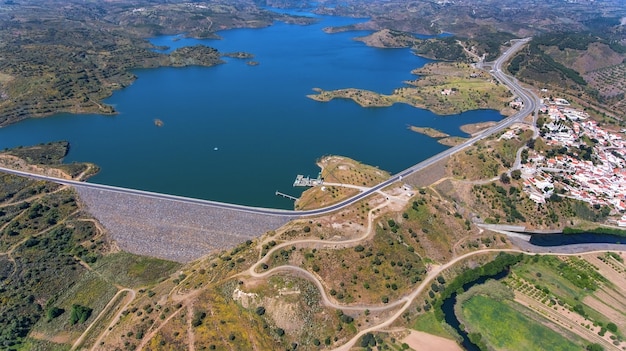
584 294
610 83
485 316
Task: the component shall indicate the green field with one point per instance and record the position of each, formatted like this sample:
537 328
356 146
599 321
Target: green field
428 323
132 270
504 328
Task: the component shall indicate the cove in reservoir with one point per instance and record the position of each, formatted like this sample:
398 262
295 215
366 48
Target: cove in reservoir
237 133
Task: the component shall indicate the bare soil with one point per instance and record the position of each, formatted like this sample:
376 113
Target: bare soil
418 340
477 127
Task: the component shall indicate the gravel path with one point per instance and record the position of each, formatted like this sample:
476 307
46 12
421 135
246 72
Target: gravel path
172 230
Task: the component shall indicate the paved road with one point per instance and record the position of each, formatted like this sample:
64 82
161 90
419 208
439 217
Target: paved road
530 105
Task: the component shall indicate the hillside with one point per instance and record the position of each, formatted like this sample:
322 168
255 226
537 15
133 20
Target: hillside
584 66
69 58
60 270
311 284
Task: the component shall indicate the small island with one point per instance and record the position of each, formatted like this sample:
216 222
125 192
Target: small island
365 98
443 138
239 55
431 132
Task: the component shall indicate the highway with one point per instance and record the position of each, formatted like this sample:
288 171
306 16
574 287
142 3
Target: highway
530 105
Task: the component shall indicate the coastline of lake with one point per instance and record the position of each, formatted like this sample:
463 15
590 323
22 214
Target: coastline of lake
237 132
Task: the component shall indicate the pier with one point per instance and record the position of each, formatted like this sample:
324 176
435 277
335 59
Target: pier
278 193
308 181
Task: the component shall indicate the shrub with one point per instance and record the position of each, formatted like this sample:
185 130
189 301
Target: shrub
54 312
198 316
612 327
594 347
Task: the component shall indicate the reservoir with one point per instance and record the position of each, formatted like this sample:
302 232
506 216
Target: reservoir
237 133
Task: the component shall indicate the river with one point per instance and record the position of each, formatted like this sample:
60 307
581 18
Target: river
450 317
237 133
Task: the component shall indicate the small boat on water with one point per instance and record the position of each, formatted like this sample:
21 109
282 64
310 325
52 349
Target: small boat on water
158 122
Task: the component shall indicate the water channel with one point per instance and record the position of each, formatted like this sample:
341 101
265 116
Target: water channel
448 309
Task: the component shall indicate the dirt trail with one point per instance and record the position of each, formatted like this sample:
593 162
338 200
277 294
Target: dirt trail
191 337
129 298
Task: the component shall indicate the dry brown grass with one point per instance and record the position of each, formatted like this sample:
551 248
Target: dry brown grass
340 170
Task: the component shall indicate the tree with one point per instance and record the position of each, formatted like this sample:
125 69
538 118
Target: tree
79 314
516 174
504 178
260 310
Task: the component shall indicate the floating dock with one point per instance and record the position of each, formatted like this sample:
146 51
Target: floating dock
308 181
278 193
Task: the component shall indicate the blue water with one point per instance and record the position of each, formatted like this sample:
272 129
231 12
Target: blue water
237 133
450 317
579 238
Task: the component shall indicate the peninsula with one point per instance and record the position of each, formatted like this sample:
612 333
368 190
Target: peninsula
444 88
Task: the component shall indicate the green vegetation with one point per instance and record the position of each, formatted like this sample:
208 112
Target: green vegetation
69 58
469 89
134 271
597 230
79 314
536 60
563 281
383 267
488 42
43 252
578 40
427 322
502 262
446 49
486 315
56 271
45 154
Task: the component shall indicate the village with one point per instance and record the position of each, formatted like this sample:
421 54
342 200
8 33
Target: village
588 163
